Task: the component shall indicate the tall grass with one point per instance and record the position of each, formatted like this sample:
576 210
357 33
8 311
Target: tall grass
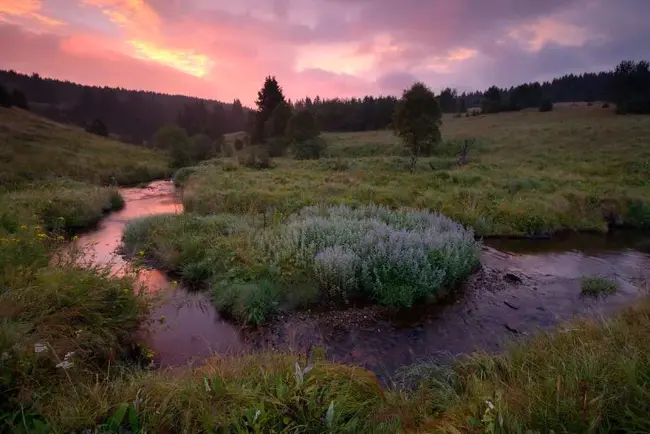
590 376
37 149
59 323
58 205
528 174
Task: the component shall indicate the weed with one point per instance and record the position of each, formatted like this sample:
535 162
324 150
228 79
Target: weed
597 285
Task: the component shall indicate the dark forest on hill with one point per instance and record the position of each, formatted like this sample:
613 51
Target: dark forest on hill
135 116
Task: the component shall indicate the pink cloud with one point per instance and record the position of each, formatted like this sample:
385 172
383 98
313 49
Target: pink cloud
222 49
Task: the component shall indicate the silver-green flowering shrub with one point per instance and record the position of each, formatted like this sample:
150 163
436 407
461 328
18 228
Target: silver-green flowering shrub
393 257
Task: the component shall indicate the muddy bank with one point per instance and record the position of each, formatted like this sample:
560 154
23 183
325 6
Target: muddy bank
523 286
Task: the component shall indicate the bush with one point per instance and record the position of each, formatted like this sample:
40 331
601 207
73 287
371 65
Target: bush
310 149
392 257
19 100
182 175
5 97
276 146
239 144
250 303
256 157
596 285
638 106
546 106
97 127
196 247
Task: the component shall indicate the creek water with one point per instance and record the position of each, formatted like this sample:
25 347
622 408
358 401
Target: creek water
523 286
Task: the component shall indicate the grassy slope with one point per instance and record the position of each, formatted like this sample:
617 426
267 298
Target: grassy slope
52 174
530 173
34 148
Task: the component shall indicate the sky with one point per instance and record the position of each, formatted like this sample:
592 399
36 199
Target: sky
223 49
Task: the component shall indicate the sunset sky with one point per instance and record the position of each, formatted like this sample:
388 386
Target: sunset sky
223 49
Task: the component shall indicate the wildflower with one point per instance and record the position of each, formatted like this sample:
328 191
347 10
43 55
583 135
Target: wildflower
162 319
75 238
150 354
68 355
64 364
490 404
42 236
59 238
23 228
141 253
78 333
207 386
40 348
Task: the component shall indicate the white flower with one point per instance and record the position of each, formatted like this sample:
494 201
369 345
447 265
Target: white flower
68 355
257 414
489 404
64 364
40 348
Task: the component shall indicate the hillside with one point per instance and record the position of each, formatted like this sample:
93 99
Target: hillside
37 149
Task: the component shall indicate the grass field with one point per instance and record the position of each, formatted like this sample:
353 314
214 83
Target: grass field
62 177
69 363
35 149
529 173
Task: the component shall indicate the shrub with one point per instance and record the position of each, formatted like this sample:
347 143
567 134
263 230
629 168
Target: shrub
239 144
5 97
256 157
182 175
546 106
310 149
392 257
596 285
196 247
276 146
19 99
97 127
250 303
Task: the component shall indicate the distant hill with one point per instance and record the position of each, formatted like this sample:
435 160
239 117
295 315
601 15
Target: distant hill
133 116
37 149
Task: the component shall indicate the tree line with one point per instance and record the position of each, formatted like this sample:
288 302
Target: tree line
131 116
135 116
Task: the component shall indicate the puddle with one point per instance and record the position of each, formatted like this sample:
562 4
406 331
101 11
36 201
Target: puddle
522 287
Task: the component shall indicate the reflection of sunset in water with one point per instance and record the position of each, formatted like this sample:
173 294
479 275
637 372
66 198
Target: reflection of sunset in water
191 328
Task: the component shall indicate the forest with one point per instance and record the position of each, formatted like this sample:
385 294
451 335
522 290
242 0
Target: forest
135 116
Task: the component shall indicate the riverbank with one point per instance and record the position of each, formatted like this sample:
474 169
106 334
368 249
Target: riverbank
280 397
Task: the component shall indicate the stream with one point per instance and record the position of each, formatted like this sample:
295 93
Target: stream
523 286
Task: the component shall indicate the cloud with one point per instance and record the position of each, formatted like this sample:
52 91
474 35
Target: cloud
25 10
223 49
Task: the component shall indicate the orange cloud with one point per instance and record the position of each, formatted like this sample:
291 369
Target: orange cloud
136 15
26 9
188 62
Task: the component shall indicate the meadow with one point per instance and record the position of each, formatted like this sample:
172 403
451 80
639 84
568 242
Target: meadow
70 361
529 174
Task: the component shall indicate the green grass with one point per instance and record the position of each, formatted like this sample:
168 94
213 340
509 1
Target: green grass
597 285
65 205
589 376
257 267
34 149
529 173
